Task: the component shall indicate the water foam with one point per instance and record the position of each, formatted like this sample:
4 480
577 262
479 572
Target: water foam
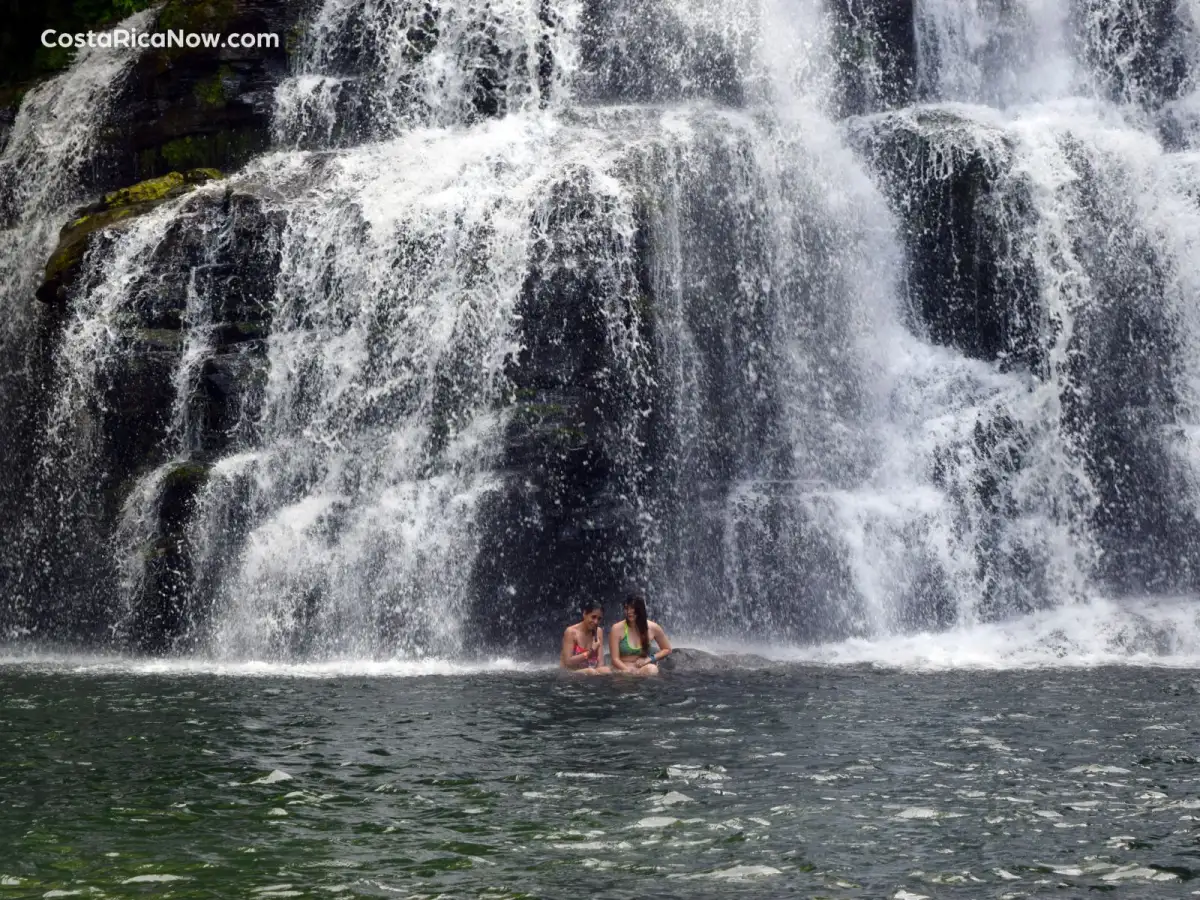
1135 631
87 665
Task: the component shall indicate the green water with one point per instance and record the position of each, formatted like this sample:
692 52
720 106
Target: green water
803 782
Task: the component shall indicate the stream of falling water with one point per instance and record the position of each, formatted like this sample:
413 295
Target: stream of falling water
46 161
828 467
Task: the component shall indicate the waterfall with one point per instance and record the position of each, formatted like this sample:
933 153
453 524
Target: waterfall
47 163
533 301
1072 472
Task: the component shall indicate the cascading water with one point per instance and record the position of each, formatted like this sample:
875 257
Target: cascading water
43 169
47 162
1076 275
537 300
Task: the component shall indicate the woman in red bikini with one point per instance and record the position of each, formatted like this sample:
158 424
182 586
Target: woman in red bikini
583 643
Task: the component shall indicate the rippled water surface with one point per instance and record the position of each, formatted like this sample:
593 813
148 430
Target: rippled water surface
804 781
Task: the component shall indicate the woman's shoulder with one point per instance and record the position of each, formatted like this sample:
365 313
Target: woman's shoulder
652 624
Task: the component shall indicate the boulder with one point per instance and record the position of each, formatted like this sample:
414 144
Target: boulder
89 224
965 218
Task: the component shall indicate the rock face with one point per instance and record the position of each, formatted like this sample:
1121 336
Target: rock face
1139 53
226 240
674 58
564 529
965 220
876 53
965 198
184 108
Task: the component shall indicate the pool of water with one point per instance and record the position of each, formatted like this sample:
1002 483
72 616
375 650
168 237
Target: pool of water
802 780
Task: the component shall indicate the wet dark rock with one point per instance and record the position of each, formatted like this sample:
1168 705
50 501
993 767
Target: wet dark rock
1139 52
641 51
184 108
965 219
10 102
376 95
1123 399
89 224
688 660
205 289
227 400
161 612
875 45
564 526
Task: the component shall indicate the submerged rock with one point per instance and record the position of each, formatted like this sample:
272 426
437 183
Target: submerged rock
689 660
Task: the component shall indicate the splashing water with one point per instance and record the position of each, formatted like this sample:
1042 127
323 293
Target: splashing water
851 407
44 164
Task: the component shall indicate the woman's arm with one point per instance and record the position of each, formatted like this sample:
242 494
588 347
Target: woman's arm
660 637
566 658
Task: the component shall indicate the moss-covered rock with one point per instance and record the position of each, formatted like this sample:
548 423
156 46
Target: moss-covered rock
155 190
76 238
192 107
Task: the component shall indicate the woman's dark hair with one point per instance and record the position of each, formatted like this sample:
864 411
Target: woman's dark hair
588 605
637 600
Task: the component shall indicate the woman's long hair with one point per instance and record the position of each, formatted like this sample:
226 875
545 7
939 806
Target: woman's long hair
638 601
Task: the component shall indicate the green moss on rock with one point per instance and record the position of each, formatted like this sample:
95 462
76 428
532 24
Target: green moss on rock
76 237
197 15
212 91
149 191
186 476
200 151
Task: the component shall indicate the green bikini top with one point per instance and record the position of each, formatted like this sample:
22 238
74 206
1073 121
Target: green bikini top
628 649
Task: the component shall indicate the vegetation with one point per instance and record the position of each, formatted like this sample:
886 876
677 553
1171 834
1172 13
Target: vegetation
22 56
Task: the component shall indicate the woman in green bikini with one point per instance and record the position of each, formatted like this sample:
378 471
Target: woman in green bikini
630 642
